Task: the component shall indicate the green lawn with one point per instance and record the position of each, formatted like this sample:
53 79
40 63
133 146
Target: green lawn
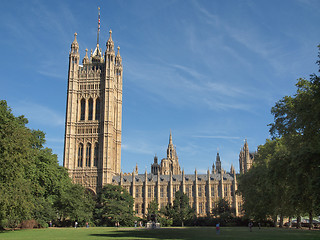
163 233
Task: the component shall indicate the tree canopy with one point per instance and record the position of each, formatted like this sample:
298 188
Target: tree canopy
114 205
32 184
286 171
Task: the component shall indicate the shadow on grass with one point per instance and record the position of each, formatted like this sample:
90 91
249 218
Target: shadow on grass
167 233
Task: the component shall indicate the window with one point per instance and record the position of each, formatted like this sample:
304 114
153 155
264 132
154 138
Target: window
137 208
187 191
199 191
80 155
90 109
96 155
161 192
149 191
83 109
97 108
225 190
212 191
88 155
200 208
137 192
174 190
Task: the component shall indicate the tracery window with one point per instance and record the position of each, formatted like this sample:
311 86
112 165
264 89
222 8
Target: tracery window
97 109
96 155
80 155
90 109
88 155
83 109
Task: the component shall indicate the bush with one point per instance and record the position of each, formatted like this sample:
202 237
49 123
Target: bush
29 224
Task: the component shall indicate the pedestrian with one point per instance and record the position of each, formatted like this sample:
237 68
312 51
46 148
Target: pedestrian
50 224
250 225
259 224
75 224
218 228
135 224
87 224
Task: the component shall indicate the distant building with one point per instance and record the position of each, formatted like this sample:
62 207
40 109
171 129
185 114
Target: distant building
92 150
166 178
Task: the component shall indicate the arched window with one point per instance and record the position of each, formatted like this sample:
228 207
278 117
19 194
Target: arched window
88 155
98 109
96 155
90 109
80 155
83 109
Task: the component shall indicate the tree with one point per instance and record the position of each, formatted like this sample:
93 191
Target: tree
180 211
297 120
223 209
114 205
153 211
15 190
32 184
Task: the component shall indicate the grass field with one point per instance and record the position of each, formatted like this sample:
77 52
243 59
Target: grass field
102 233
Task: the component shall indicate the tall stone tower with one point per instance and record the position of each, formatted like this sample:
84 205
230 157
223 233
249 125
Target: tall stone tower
170 165
245 158
92 150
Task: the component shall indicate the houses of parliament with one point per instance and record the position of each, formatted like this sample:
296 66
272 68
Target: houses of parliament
92 147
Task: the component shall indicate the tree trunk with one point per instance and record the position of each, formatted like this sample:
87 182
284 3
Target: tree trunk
299 222
182 224
290 219
281 221
310 220
275 220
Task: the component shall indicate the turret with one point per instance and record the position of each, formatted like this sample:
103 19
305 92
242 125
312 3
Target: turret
218 163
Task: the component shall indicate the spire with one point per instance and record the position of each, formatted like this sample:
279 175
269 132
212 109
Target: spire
74 44
98 26
218 163
118 53
110 44
170 138
86 59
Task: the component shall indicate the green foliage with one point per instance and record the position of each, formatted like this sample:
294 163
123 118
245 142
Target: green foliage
153 212
223 211
180 211
285 178
114 204
32 184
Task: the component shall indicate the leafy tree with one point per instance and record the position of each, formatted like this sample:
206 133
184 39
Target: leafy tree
114 204
297 120
153 211
32 184
15 194
222 208
180 211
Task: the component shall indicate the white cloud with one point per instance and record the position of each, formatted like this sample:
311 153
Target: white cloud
39 114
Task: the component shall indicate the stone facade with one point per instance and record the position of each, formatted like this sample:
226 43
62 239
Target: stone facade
166 179
92 150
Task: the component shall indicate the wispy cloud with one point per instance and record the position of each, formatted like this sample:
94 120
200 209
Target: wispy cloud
216 137
39 114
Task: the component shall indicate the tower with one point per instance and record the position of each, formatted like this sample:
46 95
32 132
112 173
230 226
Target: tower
170 165
92 150
218 163
245 158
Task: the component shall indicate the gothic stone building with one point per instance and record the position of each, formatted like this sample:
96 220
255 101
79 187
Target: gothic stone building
166 178
92 151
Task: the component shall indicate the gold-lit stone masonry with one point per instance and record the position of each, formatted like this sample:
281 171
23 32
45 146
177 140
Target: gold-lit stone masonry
92 151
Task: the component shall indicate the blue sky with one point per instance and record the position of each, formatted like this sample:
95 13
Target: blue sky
208 70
